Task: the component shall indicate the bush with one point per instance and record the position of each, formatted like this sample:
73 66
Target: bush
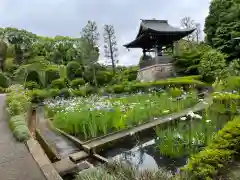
53 92
2 90
64 93
18 100
212 65
31 85
19 127
103 77
118 89
4 81
38 96
58 84
51 75
76 83
74 70
208 163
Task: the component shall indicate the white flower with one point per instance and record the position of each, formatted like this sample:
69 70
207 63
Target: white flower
131 133
190 113
197 116
207 121
183 118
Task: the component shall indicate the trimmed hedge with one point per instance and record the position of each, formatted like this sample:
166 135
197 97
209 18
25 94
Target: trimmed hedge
208 163
4 81
51 75
76 83
58 84
19 128
31 85
137 87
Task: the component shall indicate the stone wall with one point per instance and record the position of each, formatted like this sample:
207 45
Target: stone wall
156 72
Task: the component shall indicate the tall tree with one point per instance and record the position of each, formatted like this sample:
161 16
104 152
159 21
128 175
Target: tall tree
3 49
90 38
188 23
197 32
91 34
110 47
222 26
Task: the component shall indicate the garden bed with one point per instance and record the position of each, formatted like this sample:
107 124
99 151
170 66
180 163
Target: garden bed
88 118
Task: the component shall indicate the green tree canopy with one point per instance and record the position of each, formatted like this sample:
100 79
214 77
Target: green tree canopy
222 26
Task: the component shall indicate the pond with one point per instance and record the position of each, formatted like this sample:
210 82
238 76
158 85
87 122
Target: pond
173 145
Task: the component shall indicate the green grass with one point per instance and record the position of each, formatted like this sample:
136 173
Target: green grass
96 116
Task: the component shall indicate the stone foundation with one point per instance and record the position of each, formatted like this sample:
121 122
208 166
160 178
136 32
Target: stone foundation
156 72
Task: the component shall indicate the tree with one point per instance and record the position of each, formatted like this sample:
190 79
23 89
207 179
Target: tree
197 32
91 34
222 26
110 47
188 23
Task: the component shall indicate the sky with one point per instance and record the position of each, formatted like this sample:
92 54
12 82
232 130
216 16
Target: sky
68 17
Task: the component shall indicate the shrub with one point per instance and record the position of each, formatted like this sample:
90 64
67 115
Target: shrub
208 163
53 92
38 96
19 127
58 84
212 65
65 93
76 83
118 89
31 85
4 81
74 70
18 100
131 73
103 77
51 75
2 90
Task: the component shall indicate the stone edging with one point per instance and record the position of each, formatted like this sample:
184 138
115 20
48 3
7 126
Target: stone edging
42 160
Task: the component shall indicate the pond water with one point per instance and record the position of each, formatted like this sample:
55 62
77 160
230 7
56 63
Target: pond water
145 156
172 146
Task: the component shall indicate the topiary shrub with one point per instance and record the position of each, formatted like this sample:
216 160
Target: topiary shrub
76 83
19 127
74 70
31 85
211 65
53 92
51 74
118 88
4 81
64 93
103 77
38 96
58 84
209 163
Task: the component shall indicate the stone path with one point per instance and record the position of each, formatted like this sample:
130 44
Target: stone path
16 163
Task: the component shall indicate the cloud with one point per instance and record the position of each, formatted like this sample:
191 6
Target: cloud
68 17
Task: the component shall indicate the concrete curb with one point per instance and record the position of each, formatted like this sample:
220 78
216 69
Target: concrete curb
42 160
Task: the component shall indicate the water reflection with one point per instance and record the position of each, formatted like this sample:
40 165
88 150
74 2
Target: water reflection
146 156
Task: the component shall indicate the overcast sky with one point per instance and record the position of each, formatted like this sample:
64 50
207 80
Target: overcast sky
68 17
